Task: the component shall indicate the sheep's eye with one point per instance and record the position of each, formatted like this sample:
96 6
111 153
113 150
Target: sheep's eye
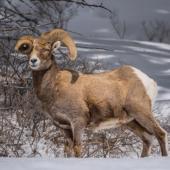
24 47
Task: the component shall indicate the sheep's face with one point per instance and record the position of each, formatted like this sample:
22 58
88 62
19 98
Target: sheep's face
40 56
39 50
39 53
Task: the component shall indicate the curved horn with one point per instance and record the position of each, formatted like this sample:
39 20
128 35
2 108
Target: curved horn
24 44
64 37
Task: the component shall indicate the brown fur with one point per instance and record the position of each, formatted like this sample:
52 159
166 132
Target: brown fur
75 101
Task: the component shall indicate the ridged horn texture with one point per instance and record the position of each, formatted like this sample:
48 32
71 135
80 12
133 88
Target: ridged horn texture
65 38
24 45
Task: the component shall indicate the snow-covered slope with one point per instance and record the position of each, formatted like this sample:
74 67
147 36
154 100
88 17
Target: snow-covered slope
85 164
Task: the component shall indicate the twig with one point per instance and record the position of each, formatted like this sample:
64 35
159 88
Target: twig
84 3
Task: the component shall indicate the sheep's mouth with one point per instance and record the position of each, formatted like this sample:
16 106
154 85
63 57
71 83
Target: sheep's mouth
34 66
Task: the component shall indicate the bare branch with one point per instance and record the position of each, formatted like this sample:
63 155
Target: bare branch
84 3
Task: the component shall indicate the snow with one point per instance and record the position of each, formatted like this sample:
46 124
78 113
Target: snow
101 56
162 11
158 163
139 49
156 44
164 94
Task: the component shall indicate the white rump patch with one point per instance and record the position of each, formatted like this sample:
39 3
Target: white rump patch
149 84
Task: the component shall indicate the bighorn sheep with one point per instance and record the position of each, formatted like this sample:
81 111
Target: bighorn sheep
122 96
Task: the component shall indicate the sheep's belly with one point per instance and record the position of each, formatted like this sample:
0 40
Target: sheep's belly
112 123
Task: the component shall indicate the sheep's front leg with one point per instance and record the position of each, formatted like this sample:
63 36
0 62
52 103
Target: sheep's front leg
68 146
77 129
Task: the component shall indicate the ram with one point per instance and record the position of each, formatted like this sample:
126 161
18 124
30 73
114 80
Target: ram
75 101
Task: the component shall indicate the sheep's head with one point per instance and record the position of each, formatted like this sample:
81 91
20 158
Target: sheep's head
39 50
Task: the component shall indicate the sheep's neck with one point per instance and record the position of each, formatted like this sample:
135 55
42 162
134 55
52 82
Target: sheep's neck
38 78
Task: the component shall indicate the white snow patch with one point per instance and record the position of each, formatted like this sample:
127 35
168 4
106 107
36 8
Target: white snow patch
165 72
163 93
102 56
120 51
84 42
156 60
162 46
102 30
158 163
140 49
85 49
162 11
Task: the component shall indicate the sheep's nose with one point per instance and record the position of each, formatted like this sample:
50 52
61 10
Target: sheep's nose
33 60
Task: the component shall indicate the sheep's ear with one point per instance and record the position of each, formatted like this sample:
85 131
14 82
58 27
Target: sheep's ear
56 45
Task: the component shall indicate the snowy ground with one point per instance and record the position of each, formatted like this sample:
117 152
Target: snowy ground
85 164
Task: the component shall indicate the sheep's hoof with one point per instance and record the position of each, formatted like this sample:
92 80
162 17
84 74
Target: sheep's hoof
77 151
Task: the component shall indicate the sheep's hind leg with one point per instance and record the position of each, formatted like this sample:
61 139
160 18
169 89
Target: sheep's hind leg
145 118
146 138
